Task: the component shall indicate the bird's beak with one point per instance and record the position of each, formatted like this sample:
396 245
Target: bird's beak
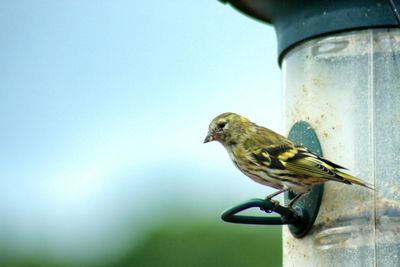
209 138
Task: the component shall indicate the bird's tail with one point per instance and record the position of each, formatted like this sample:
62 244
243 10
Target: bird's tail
354 180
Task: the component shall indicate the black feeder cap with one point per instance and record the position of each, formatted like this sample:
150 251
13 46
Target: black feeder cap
296 21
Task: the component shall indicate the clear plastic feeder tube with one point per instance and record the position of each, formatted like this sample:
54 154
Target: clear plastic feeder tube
347 86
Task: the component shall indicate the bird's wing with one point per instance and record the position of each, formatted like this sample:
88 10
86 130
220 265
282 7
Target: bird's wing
296 159
277 152
271 156
308 164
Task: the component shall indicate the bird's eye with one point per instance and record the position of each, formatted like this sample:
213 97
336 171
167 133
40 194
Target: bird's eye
222 124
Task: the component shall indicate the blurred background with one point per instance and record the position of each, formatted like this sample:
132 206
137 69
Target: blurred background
104 106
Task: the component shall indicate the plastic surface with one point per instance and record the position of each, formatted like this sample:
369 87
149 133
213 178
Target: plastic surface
296 21
347 87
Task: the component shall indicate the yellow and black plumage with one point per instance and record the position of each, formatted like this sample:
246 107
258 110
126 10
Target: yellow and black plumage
272 159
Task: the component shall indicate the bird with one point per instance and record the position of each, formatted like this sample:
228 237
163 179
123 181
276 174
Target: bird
273 160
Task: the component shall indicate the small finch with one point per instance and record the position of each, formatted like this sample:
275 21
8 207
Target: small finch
273 160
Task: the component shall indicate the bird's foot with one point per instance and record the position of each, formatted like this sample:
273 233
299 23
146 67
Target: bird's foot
276 202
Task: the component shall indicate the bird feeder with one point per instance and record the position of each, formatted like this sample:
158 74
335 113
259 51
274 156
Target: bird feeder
341 75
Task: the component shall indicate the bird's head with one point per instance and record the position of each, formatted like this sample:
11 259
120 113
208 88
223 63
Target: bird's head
226 128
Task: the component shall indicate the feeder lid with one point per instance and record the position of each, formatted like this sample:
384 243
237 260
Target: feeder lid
296 21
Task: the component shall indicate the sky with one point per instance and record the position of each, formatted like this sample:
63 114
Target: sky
104 106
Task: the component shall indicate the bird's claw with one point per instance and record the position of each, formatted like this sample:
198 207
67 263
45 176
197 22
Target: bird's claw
275 202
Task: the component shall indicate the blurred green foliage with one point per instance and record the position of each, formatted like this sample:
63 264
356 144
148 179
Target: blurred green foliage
194 244
183 243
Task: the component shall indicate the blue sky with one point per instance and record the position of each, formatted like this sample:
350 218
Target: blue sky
104 106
